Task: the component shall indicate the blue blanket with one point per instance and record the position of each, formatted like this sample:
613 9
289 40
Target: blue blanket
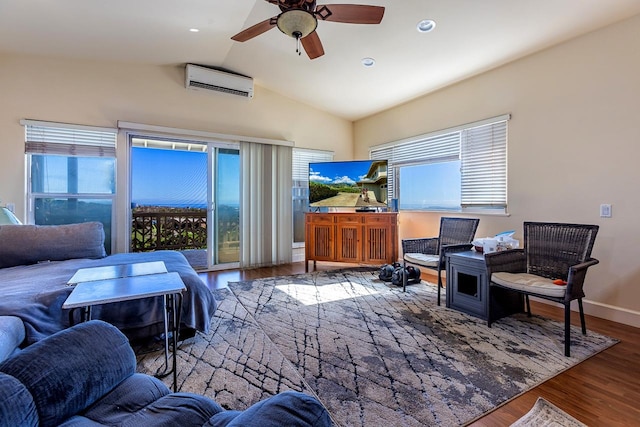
35 293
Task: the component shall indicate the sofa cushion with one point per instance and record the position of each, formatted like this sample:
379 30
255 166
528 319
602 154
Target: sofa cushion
72 369
12 334
529 283
142 400
16 404
130 396
29 244
174 409
422 259
289 408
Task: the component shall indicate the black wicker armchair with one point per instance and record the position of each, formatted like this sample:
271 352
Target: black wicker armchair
456 235
552 266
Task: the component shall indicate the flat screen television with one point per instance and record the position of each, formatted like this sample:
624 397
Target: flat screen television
359 184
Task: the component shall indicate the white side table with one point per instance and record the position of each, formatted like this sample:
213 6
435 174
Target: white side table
114 290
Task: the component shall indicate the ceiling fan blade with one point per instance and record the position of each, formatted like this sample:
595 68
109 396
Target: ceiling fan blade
255 30
291 4
350 13
312 45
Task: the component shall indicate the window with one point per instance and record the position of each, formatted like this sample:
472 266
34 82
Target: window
460 169
443 191
71 174
301 159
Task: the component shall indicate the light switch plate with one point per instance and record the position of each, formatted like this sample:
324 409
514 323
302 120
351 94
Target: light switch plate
605 211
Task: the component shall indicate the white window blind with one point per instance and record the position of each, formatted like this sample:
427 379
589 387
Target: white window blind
301 159
266 214
429 149
481 148
484 166
69 140
300 164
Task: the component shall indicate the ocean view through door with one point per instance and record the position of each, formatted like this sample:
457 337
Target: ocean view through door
185 197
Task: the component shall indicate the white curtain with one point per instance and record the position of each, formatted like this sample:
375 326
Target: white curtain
266 219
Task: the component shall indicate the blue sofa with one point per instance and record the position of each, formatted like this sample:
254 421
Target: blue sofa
86 376
37 261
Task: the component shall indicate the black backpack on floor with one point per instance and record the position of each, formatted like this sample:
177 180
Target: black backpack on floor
386 271
413 275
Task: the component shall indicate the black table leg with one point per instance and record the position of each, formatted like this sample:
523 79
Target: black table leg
172 330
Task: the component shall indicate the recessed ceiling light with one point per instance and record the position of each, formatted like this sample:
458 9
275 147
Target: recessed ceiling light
368 62
194 30
426 25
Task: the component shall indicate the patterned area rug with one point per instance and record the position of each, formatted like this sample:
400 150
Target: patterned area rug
372 354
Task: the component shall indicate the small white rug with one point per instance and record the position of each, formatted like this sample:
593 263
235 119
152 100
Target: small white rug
545 414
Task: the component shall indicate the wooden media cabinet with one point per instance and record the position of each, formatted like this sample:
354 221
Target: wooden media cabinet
361 237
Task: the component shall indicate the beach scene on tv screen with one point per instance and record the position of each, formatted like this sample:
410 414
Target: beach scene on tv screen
358 184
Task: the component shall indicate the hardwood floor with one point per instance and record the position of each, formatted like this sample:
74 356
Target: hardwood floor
601 391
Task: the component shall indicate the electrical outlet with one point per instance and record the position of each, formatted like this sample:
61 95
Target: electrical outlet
605 211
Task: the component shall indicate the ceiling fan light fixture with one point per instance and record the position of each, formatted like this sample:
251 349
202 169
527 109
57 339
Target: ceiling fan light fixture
296 23
299 19
426 25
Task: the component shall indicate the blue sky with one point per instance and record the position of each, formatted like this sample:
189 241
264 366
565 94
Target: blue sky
432 185
338 172
180 177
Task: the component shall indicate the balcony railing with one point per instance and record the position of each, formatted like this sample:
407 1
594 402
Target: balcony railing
172 229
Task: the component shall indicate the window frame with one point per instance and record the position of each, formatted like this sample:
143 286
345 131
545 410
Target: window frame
491 133
431 162
69 140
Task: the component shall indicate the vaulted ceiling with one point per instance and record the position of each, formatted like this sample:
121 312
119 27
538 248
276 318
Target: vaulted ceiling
470 37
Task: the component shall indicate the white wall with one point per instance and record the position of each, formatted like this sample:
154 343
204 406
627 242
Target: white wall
101 94
574 143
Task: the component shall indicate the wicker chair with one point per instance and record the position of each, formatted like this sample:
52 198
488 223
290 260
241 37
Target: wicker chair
552 266
456 235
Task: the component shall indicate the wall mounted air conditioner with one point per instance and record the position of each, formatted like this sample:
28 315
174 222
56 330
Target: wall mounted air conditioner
203 78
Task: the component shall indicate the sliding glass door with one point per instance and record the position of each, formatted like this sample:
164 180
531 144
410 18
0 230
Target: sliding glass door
225 194
185 197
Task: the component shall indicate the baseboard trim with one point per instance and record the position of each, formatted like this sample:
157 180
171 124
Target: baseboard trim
603 311
610 312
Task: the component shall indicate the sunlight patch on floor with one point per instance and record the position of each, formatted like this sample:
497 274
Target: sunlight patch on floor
309 295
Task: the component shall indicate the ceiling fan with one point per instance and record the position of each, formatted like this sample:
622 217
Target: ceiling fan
299 19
